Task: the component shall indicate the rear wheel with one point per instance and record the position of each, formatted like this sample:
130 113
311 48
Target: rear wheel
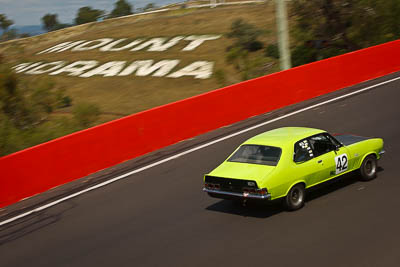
368 168
295 199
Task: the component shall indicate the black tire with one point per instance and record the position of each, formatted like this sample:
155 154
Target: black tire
295 199
368 168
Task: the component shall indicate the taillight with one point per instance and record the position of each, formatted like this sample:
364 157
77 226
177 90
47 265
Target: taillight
212 186
262 191
255 191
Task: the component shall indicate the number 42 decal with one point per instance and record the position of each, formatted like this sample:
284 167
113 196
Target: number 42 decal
341 163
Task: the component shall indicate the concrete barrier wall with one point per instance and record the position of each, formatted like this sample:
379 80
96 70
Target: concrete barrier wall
42 167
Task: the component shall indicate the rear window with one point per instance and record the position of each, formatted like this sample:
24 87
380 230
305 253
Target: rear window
256 154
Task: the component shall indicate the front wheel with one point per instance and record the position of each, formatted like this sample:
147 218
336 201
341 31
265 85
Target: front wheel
295 199
368 168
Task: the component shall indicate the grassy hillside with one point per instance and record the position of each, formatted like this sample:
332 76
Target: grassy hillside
118 96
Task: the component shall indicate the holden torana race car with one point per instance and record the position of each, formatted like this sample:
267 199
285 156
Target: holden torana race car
282 163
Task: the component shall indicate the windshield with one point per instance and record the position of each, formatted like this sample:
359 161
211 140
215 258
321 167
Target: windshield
265 155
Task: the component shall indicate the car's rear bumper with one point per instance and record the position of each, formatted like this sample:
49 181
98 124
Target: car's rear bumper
229 195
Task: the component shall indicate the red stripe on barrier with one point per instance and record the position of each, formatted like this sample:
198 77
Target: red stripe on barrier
42 167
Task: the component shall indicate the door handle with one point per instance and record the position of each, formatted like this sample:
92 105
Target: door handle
320 161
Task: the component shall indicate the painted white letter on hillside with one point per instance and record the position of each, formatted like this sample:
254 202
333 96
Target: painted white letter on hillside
157 44
61 47
110 46
77 68
197 40
25 66
107 70
146 67
45 67
98 43
198 69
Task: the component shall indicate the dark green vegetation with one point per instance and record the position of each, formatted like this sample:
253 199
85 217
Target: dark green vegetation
31 112
5 24
326 28
243 55
51 23
6 32
87 14
245 36
121 8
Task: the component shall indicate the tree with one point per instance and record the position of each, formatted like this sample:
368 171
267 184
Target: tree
50 22
27 103
4 22
326 28
122 8
327 20
25 109
13 103
87 14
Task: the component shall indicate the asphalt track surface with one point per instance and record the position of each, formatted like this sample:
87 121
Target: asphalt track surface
161 217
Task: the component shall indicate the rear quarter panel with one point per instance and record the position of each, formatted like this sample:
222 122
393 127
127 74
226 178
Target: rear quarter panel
284 176
364 148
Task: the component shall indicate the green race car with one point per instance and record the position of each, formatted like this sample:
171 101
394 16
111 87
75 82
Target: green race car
282 163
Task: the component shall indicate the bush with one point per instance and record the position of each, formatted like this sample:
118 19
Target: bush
85 114
237 56
43 96
255 46
245 35
66 101
10 138
220 77
272 51
302 55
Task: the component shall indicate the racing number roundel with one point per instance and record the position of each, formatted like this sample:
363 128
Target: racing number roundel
341 163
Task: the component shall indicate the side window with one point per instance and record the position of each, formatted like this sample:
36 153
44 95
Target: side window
302 151
333 140
321 144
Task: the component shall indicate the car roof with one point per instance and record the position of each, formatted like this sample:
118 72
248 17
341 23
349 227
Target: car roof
283 136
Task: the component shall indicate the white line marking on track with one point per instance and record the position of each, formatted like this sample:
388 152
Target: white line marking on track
190 151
